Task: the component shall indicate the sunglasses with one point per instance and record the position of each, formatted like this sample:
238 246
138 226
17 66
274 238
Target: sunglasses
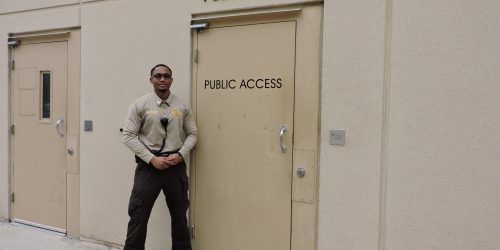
159 76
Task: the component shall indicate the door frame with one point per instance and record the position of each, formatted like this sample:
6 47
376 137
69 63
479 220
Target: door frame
309 18
72 37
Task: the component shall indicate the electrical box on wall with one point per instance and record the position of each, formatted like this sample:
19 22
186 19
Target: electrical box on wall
88 126
337 137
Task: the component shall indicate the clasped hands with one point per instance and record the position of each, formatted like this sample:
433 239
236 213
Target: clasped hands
164 162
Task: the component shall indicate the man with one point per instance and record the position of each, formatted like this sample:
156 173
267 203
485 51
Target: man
161 131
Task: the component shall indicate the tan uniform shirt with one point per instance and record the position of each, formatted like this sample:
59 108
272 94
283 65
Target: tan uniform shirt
143 127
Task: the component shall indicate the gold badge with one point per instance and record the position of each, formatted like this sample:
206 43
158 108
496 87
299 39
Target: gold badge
176 112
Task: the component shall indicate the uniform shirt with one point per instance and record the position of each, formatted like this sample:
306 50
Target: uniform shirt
143 127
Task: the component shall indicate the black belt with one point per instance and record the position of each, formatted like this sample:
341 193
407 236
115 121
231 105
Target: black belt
165 154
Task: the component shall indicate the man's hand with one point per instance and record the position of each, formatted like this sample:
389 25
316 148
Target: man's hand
160 162
173 159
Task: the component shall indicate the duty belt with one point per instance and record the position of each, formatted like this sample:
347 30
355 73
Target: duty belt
165 154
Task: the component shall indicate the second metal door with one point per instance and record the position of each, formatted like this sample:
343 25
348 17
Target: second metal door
244 109
39 103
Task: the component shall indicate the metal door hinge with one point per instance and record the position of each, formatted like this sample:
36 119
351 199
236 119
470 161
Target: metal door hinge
12 64
12 43
192 231
199 26
196 56
12 197
12 129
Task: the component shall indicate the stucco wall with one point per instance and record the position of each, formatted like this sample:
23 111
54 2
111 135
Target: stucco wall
437 138
443 170
352 99
119 45
20 6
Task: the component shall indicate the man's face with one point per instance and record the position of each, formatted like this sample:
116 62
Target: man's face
161 79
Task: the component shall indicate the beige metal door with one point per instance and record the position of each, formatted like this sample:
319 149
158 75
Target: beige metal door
244 108
39 98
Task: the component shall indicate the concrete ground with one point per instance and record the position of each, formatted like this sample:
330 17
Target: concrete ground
15 236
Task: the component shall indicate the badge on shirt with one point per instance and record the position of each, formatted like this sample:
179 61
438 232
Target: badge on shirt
176 112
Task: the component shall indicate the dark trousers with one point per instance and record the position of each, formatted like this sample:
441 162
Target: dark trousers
148 182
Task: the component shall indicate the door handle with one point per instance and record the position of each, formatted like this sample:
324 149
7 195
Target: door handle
58 126
282 138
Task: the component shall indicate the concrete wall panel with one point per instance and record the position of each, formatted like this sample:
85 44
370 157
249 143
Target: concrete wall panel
352 99
25 5
121 41
443 168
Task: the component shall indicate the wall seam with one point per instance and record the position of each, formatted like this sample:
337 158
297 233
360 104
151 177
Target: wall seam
385 124
80 14
15 12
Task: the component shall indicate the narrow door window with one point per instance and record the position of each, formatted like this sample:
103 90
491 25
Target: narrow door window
46 77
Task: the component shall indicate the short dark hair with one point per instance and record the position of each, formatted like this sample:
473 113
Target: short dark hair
160 65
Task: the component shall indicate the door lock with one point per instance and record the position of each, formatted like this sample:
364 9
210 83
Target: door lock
70 151
301 172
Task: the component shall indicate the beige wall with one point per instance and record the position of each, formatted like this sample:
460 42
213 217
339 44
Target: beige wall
423 137
116 58
443 170
30 5
418 97
352 99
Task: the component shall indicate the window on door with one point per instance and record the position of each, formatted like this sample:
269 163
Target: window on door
45 94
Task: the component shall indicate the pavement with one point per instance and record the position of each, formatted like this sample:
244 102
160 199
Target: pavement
14 236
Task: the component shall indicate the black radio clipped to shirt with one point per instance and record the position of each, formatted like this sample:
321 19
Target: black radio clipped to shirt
164 123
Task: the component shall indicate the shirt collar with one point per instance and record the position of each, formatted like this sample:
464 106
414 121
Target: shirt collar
159 101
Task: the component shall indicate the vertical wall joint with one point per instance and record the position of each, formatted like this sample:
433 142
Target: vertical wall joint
385 125
196 55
